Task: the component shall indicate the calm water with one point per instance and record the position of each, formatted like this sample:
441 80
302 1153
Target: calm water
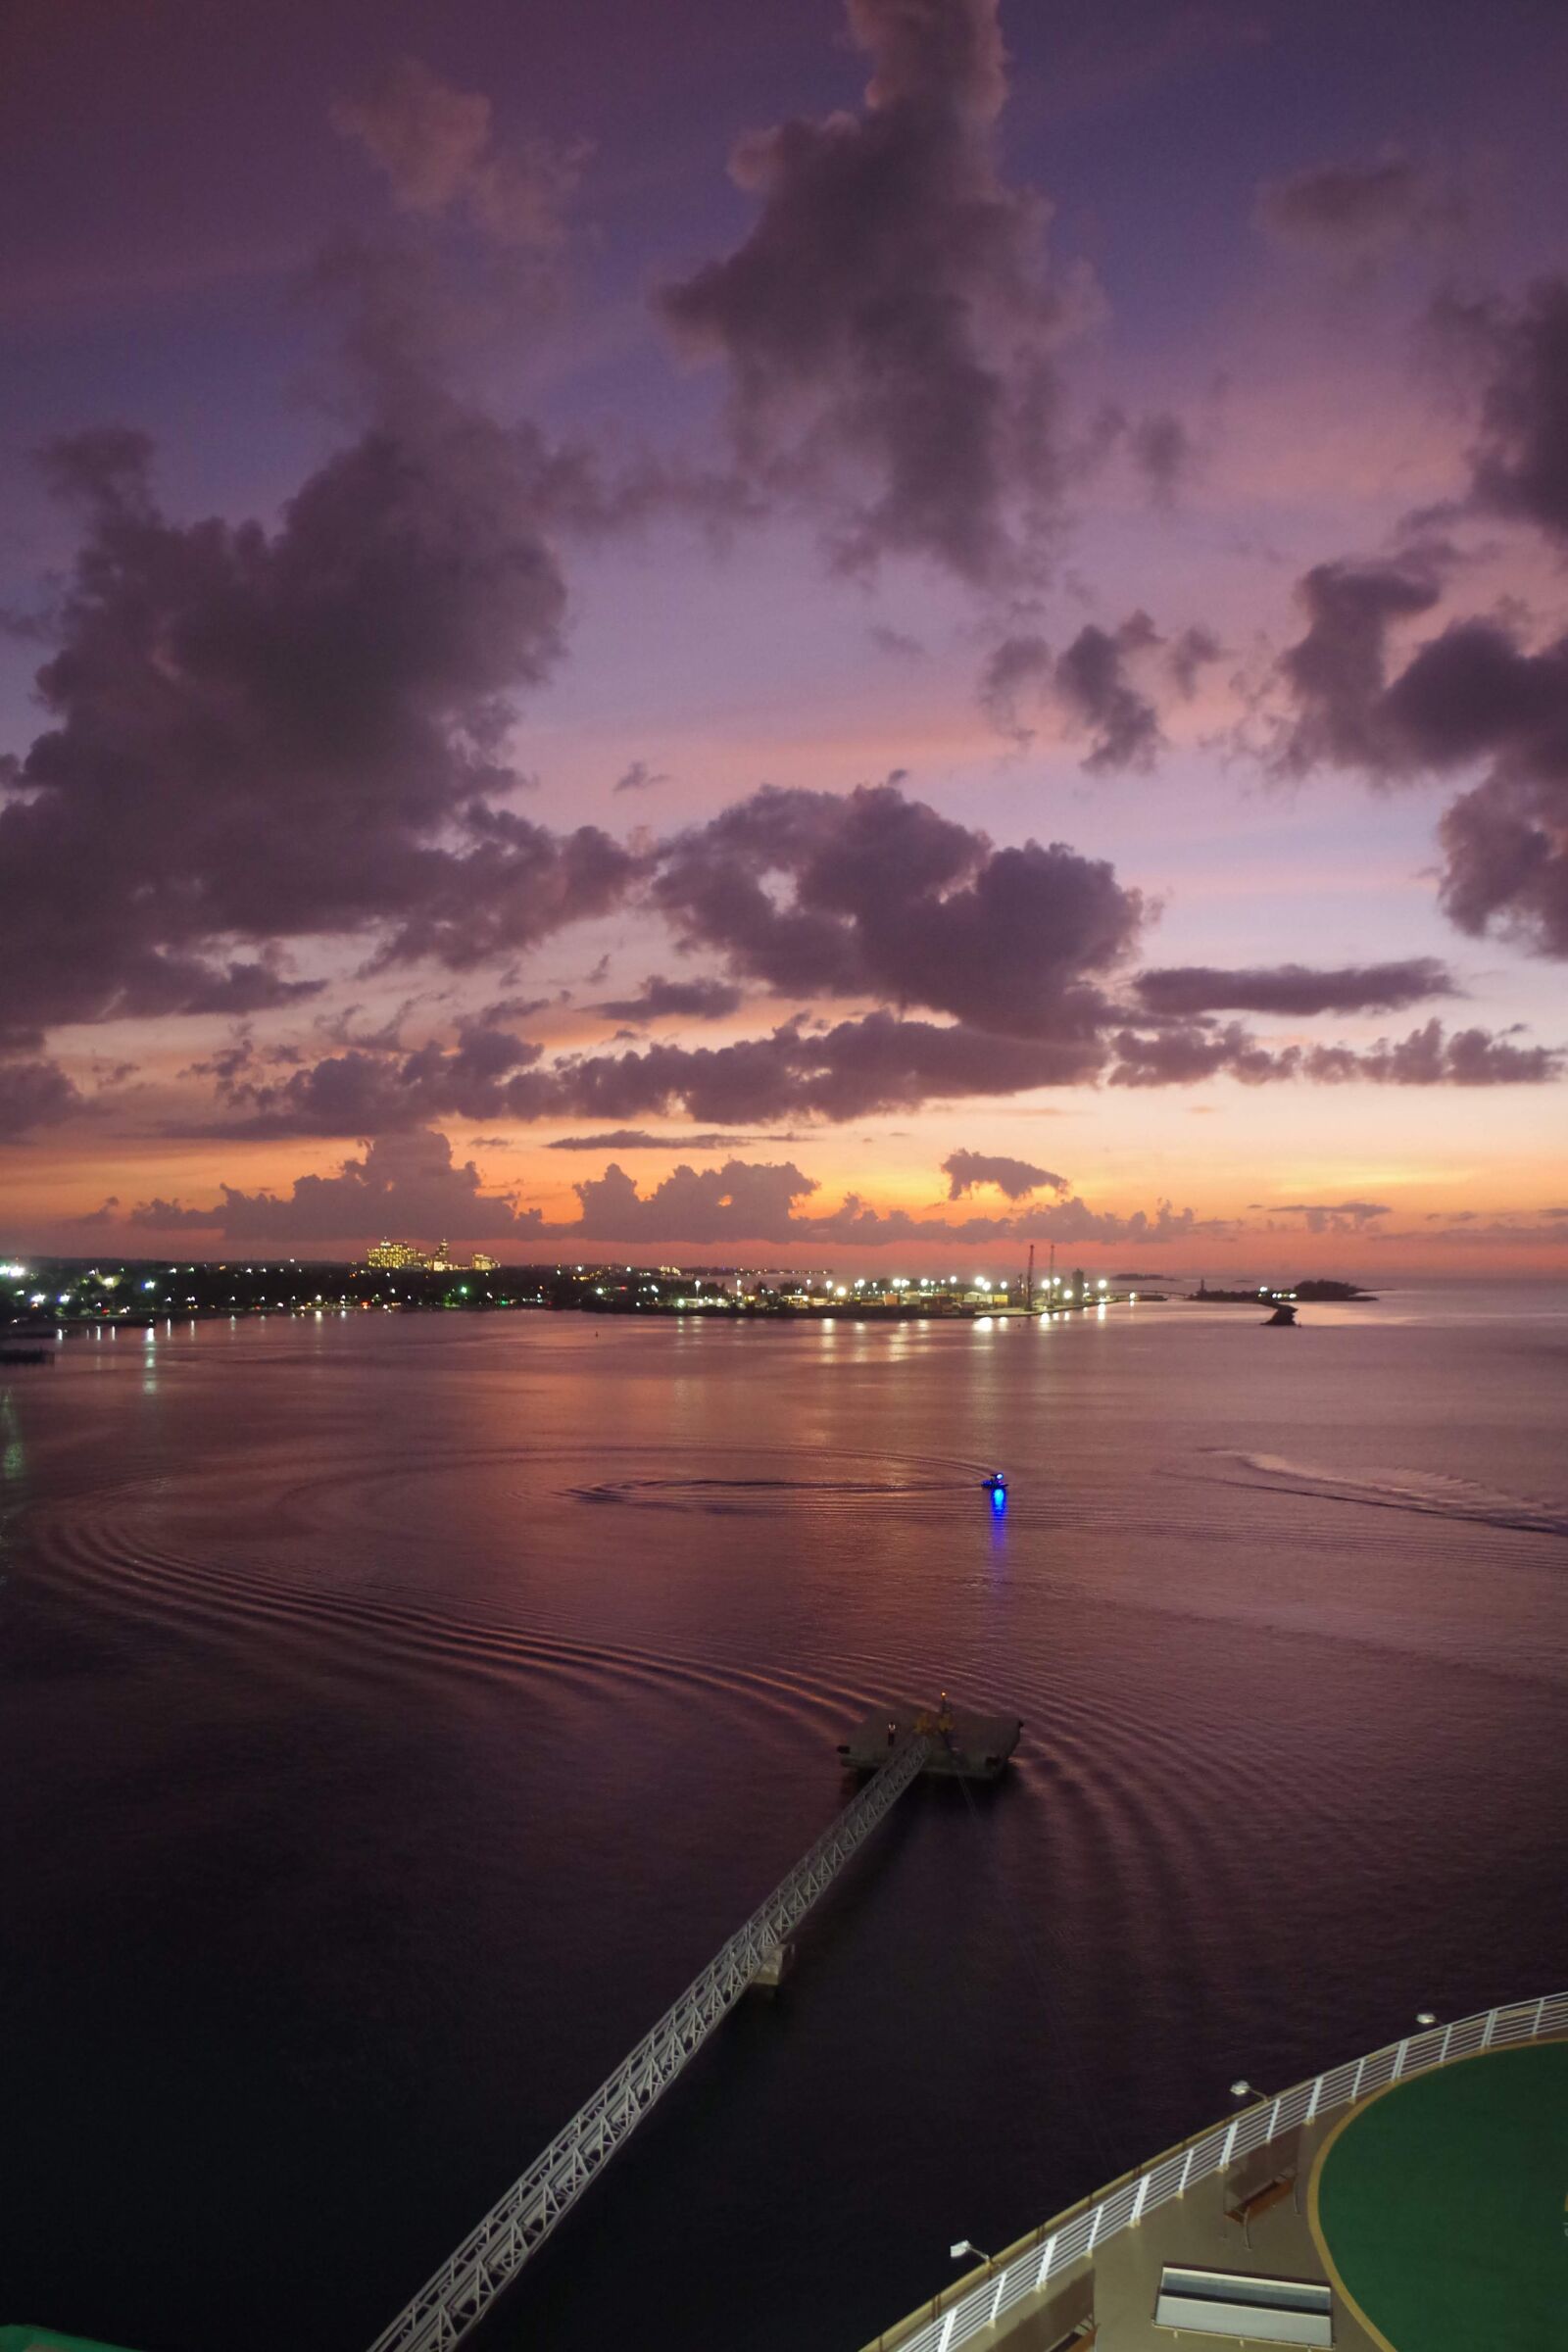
398 1713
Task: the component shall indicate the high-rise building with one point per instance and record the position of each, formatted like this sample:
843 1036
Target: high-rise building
393 1254
481 1264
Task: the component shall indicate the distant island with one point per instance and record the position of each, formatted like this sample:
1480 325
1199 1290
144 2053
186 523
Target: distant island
1317 1289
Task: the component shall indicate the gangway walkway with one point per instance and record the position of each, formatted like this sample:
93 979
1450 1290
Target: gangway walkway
492 2254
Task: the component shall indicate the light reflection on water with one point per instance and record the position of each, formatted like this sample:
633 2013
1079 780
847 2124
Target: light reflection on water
405 1707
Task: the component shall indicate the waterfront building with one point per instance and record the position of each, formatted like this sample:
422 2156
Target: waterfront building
395 1254
481 1263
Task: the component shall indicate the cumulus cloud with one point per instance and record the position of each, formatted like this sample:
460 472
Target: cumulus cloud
437 147
1355 211
404 1183
1016 1178
874 895
1294 989
741 1201
261 736
888 325
1473 693
1183 1055
661 997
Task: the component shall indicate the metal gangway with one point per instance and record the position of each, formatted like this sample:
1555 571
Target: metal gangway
495 2250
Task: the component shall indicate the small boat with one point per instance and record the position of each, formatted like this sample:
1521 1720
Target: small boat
995 1486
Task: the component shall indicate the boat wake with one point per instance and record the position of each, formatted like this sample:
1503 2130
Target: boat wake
1430 1492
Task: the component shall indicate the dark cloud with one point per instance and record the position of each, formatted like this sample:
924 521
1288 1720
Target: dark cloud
875 894
638 1139
1332 1216
33 1093
263 736
1355 211
1017 1178
888 325
639 777
1018 665
1091 680
1189 655
1521 457
1473 693
1427 1057
740 1201
875 1063
1336 673
1465 1058
660 997
404 1183
362 1093
438 148
1297 989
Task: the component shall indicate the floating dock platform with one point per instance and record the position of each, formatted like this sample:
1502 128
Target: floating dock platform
962 1746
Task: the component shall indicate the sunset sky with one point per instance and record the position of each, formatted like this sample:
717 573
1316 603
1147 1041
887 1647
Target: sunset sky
797 632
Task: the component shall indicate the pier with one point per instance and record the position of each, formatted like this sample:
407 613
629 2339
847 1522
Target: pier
496 2249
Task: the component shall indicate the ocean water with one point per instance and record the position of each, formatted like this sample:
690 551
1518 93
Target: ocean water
395 1714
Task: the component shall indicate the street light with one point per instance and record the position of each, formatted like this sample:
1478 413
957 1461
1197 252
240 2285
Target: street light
968 2245
1426 2017
1246 2091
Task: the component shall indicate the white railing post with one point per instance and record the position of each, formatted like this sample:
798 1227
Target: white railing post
1046 2252
1187 2166
1442 2048
1230 2142
1138 2201
1399 2057
996 2300
1487 2030
1541 2011
1356 2081
1311 2104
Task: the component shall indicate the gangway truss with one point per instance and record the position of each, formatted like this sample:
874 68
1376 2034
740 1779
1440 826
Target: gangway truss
495 2250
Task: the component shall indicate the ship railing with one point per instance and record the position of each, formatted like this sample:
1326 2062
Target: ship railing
967 2308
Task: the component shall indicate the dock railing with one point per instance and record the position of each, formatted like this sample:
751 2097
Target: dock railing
965 2309
495 2250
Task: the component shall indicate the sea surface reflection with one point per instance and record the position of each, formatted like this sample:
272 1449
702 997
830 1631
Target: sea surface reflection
398 1713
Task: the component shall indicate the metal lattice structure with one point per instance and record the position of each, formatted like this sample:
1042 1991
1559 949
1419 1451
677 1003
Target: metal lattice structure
496 2249
967 2310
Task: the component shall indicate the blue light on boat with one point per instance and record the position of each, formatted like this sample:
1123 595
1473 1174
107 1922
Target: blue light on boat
998 1491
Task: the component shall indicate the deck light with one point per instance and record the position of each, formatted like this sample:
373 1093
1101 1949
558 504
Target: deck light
1246 2091
1426 2017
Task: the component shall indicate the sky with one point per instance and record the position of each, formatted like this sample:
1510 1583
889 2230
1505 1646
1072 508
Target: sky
811 634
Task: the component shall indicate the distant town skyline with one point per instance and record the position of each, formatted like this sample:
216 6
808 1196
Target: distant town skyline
854 633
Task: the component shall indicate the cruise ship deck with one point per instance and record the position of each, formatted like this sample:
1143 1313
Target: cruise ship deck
1409 2201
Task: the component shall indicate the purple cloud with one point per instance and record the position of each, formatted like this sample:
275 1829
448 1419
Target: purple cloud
888 325
1294 989
1017 1178
661 997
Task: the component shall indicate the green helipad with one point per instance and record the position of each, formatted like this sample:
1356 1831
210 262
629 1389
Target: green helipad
1440 2207
47 2339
